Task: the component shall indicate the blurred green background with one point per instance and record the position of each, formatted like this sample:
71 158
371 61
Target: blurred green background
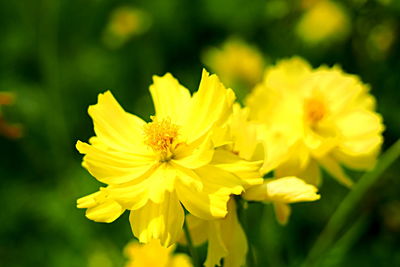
57 55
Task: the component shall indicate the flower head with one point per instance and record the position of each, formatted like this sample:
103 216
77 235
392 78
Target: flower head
326 116
154 168
324 21
237 63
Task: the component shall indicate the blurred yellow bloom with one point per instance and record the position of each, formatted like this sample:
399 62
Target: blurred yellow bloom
326 116
153 254
125 22
324 20
12 131
152 168
236 63
380 40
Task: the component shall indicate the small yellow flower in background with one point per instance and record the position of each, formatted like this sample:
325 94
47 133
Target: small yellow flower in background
236 63
153 254
154 168
326 116
12 131
125 22
324 20
380 40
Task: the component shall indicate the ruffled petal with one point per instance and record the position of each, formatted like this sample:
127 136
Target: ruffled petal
248 171
113 167
100 207
211 105
116 128
196 154
283 190
162 221
216 246
210 202
362 138
171 100
151 186
234 238
197 229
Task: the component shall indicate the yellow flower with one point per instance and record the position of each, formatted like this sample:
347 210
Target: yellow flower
323 21
237 63
326 116
125 22
152 168
154 255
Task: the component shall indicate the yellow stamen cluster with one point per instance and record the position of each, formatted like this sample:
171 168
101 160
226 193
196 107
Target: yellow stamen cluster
315 110
160 136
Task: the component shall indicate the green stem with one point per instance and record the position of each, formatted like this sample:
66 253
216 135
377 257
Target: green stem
348 205
189 242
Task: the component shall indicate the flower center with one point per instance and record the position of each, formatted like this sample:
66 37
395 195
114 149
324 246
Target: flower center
161 137
315 110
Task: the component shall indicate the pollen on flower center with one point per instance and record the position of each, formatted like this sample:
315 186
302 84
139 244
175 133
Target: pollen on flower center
161 136
314 110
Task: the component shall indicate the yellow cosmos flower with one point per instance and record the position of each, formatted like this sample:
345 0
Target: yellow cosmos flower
237 63
152 168
326 116
323 21
125 22
154 255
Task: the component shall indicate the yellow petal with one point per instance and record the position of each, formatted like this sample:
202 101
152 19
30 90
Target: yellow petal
160 181
234 238
171 100
143 255
334 169
196 154
218 180
311 174
282 212
216 247
131 196
244 132
283 190
115 127
210 202
211 105
361 139
162 221
113 167
180 260
204 205
197 229
248 171
100 207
